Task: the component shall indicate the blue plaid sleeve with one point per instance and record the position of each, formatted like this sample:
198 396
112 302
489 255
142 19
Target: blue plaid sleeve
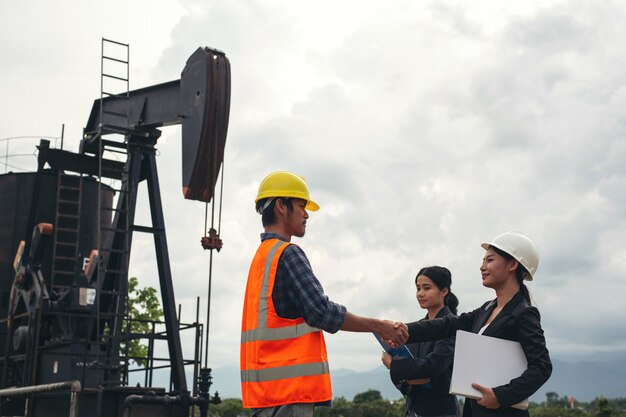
298 293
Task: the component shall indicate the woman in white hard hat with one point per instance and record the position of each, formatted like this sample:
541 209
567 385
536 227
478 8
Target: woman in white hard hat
510 259
425 378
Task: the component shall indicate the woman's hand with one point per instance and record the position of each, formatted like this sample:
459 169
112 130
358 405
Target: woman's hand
488 399
386 358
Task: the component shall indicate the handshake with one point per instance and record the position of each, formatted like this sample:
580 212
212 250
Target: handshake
394 333
397 335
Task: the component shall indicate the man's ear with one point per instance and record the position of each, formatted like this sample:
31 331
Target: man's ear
280 206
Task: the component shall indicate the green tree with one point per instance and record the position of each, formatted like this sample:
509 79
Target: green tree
340 408
551 397
143 308
230 407
603 408
367 396
553 400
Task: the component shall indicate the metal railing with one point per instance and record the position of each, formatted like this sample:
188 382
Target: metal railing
21 152
74 387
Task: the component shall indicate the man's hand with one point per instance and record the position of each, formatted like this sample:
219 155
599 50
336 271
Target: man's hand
396 334
488 399
399 324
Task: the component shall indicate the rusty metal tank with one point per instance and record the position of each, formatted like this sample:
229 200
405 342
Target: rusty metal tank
16 195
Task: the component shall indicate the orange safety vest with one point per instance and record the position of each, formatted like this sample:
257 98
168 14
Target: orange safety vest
283 361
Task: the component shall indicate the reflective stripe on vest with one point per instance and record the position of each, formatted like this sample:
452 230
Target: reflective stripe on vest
279 333
271 374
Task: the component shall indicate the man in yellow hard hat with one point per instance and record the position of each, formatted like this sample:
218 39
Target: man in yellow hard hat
284 365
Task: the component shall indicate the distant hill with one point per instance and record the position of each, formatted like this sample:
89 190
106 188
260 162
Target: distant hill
585 380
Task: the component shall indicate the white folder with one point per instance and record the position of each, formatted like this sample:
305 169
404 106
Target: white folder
487 361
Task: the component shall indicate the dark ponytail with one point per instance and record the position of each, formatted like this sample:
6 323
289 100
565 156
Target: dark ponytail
451 301
442 278
524 289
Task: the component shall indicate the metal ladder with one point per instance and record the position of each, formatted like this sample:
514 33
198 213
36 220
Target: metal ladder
66 237
115 76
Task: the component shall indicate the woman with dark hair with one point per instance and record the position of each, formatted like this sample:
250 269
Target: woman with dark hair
425 378
510 259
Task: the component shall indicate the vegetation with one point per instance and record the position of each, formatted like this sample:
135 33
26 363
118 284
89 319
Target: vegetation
371 404
230 407
556 406
143 308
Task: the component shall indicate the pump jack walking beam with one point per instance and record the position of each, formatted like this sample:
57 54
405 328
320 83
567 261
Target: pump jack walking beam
199 101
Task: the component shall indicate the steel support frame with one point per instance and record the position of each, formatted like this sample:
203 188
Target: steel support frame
165 273
143 166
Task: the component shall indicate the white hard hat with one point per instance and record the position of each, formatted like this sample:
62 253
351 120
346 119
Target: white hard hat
520 247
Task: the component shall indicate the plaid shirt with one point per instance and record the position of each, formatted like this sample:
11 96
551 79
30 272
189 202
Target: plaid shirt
298 293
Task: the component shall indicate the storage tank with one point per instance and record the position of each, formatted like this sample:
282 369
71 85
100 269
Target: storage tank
16 195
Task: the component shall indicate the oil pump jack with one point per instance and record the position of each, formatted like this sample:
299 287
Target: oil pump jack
67 238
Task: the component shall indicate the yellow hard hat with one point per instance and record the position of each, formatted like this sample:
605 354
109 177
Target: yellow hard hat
286 184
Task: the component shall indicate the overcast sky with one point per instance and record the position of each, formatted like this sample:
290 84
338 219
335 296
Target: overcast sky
423 129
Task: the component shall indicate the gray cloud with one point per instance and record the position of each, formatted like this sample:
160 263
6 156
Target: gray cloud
423 130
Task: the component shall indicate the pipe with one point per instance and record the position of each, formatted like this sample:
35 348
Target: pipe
74 387
152 399
183 400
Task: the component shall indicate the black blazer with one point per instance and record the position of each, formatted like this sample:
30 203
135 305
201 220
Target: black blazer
432 359
518 321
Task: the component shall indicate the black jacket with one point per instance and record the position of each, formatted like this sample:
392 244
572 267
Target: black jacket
518 321
432 359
